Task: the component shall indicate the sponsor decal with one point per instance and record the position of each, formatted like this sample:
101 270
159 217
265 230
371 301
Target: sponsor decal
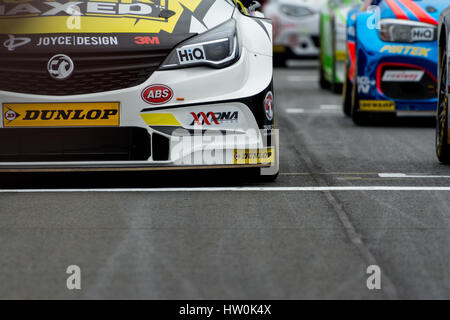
191 54
279 49
77 41
268 105
406 50
160 119
146 40
376 105
340 55
213 118
60 67
157 94
254 156
364 84
95 17
422 34
92 8
61 114
403 76
11 115
14 42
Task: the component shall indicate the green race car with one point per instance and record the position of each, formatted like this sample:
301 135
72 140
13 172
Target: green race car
333 45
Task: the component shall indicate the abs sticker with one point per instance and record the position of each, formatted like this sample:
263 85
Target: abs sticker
157 94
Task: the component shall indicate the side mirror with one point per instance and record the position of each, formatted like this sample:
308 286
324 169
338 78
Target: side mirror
254 6
247 3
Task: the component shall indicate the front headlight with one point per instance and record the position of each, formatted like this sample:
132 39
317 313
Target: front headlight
406 31
217 48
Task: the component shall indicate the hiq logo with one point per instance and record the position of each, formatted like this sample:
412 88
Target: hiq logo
422 34
191 54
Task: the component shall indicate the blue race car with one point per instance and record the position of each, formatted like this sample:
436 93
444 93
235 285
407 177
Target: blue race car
392 58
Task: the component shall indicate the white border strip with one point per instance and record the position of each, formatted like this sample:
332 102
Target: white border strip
232 189
412 176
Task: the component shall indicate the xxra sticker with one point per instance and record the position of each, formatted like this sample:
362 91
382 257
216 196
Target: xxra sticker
191 54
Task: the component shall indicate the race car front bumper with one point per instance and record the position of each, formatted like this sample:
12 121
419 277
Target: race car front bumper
215 118
297 39
394 77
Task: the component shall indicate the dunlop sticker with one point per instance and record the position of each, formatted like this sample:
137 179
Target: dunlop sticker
254 156
61 114
376 105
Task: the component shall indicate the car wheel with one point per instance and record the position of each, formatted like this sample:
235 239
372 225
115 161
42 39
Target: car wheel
442 146
347 94
358 117
323 83
279 61
335 87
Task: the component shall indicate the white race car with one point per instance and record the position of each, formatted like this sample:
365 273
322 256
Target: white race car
139 85
296 28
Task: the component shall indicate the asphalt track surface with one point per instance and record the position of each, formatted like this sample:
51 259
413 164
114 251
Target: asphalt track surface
282 240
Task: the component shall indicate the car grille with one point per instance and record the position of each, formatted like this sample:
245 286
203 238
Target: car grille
93 73
426 88
74 144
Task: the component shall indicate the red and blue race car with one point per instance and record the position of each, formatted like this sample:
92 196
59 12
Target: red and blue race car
392 58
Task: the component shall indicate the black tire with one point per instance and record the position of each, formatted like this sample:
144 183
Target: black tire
442 146
265 178
347 94
359 118
323 83
338 88
335 87
279 61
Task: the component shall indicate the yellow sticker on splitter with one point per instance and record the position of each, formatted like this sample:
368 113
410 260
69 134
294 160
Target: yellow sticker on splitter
84 114
376 105
254 156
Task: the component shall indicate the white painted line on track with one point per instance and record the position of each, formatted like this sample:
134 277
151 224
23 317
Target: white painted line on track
411 176
311 111
233 189
329 107
303 79
298 110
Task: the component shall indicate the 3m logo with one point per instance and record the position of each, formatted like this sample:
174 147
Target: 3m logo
146 40
61 114
213 118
